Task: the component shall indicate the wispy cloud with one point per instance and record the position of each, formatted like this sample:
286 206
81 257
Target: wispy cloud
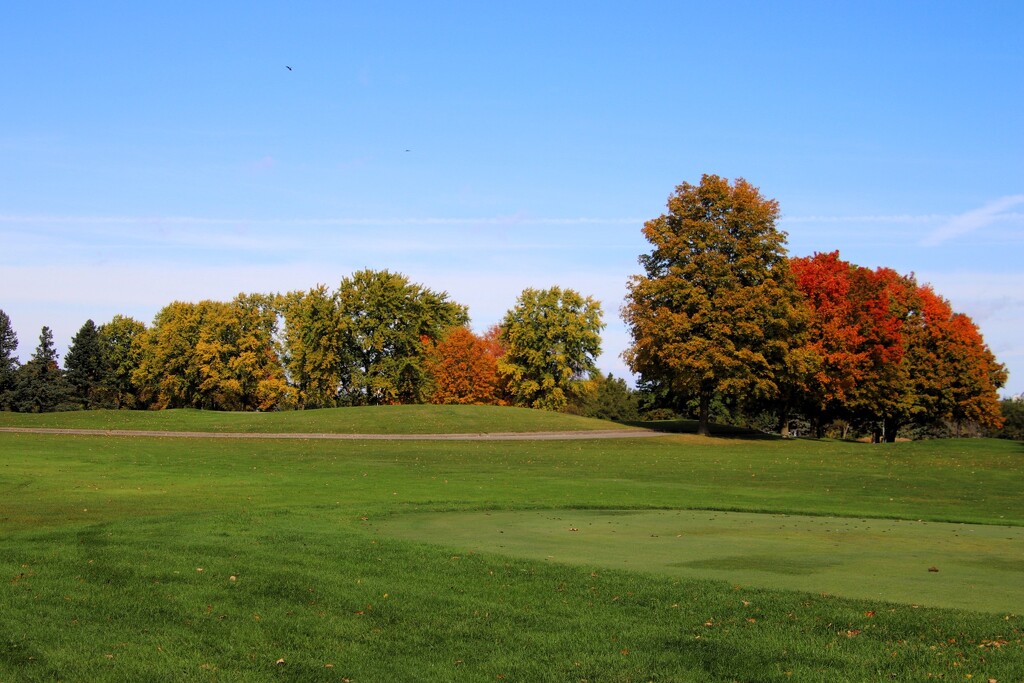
905 219
512 219
974 220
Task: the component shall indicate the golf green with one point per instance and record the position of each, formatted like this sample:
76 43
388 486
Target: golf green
969 566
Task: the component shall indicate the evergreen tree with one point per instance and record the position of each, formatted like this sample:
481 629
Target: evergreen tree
40 386
87 369
8 361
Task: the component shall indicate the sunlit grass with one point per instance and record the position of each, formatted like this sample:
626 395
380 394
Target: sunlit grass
118 554
410 419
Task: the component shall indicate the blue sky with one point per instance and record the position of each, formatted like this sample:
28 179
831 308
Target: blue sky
152 153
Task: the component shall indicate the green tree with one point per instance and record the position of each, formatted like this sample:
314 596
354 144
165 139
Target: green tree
610 398
40 386
552 339
120 339
1012 410
716 311
384 320
311 346
86 369
8 361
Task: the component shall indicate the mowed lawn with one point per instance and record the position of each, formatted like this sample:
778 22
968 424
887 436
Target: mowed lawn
164 559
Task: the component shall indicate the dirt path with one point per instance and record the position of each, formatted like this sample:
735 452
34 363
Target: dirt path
486 436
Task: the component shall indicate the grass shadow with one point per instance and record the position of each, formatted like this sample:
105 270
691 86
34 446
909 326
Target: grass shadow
690 427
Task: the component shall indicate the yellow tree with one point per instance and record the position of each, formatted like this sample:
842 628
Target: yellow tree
552 339
715 310
215 355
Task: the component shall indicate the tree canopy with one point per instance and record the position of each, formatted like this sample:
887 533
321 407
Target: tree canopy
384 319
715 312
552 339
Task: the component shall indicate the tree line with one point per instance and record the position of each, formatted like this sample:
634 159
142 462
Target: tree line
376 339
725 325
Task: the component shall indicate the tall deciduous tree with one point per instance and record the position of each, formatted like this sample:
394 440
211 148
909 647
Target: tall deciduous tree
120 339
553 338
8 361
715 312
311 348
383 320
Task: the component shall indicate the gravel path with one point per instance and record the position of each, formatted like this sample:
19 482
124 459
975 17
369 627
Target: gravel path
487 436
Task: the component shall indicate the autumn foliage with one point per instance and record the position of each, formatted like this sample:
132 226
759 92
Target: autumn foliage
722 314
891 352
463 368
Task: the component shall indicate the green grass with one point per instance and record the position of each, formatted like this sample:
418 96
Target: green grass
412 419
102 540
975 567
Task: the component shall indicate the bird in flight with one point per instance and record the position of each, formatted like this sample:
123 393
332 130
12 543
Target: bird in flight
288 67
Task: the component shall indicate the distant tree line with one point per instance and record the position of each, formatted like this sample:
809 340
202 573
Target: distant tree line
725 325
377 339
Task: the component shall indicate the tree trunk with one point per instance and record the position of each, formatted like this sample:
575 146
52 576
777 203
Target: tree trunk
703 412
891 428
784 420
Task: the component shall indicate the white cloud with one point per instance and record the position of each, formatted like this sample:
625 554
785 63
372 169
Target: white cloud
974 220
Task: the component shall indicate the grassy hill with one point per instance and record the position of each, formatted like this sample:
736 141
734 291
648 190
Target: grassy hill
247 560
406 419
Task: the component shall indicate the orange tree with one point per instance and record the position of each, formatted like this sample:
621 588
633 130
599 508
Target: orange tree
715 312
463 368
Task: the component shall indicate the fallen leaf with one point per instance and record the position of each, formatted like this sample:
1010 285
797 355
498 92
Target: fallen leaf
933 569
994 643
853 633
280 661
870 613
